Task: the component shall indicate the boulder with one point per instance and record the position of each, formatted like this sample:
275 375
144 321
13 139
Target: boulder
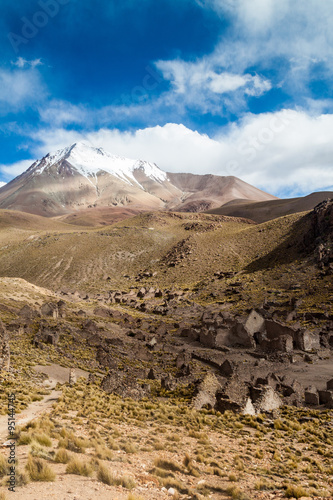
284 343
207 338
326 398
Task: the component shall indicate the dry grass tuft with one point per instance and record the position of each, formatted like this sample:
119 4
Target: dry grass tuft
39 470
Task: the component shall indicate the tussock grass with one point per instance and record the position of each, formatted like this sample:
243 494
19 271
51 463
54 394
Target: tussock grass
79 467
104 453
107 477
24 439
38 451
237 494
39 470
131 496
62 456
294 491
4 466
167 465
43 439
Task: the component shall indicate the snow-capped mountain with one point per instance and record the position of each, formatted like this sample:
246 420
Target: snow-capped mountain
81 176
89 161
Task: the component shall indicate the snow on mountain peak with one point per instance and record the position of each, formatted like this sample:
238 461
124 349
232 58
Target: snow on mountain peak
88 161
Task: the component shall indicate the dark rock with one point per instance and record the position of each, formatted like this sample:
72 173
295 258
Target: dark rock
329 385
228 368
326 398
311 396
151 374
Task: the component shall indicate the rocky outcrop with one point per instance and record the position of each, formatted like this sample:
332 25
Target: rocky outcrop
320 235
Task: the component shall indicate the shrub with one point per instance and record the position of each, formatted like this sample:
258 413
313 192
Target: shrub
79 467
237 494
38 451
24 438
293 491
43 439
4 466
39 470
62 456
106 476
104 453
167 464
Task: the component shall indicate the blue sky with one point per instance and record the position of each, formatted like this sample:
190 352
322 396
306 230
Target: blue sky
230 87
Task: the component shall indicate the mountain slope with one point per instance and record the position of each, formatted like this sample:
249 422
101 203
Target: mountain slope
271 209
201 192
80 177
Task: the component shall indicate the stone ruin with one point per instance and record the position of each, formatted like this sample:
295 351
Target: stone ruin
235 395
220 330
72 377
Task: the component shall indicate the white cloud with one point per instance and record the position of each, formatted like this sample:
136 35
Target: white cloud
202 85
287 151
263 30
60 113
19 88
14 169
22 63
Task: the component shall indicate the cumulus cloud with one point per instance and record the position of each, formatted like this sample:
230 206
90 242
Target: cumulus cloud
289 40
202 84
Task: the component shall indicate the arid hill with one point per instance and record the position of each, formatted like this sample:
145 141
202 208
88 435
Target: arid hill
271 209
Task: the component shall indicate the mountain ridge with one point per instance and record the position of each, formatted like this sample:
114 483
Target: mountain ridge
81 176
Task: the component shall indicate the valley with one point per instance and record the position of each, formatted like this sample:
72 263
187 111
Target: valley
217 325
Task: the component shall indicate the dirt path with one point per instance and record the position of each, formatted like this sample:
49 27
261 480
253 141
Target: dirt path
34 410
